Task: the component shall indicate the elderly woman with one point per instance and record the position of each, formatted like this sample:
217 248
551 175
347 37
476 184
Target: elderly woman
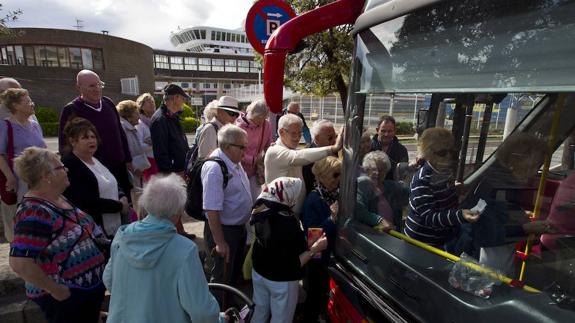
92 188
17 133
129 118
55 244
279 252
154 274
147 107
259 130
433 201
320 211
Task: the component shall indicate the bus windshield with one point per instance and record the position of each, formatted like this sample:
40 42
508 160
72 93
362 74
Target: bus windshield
475 68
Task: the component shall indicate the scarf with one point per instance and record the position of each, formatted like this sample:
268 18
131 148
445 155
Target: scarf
328 196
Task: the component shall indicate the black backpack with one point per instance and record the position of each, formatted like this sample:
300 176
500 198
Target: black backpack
195 190
192 154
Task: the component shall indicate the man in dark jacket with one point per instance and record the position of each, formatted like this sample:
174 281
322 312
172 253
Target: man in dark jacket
386 141
169 141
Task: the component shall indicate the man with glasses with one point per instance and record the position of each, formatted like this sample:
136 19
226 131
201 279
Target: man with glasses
227 112
284 159
227 208
113 151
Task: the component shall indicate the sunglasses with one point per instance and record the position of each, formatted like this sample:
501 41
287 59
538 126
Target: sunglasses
232 114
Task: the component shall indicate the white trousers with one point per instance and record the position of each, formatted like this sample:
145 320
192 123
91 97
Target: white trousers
276 298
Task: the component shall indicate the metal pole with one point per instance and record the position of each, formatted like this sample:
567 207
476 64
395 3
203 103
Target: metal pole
464 141
391 103
498 110
335 119
415 112
369 113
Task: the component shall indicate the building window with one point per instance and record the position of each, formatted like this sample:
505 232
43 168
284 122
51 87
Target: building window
130 86
231 65
185 85
87 58
98 57
243 66
203 33
19 55
217 65
161 61
63 56
75 58
254 68
204 64
207 85
176 63
227 86
190 63
51 56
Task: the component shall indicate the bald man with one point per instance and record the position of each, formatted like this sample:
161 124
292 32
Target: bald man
113 150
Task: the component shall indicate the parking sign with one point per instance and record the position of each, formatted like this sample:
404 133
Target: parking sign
264 17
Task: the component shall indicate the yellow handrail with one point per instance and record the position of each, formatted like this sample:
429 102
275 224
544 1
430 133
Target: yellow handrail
451 257
542 181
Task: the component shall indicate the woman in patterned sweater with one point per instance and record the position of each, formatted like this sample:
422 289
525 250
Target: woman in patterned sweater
434 212
54 248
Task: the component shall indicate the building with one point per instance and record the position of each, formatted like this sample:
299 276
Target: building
46 61
212 40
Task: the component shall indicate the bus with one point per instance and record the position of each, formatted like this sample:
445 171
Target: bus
462 53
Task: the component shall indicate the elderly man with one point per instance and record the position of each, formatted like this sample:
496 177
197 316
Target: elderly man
227 112
150 259
386 141
227 208
113 150
294 108
284 159
322 134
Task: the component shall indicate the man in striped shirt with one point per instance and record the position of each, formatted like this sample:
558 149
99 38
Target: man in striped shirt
433 202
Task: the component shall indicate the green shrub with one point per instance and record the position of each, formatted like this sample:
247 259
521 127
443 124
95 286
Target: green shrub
45 114
49 129
190 124
404 128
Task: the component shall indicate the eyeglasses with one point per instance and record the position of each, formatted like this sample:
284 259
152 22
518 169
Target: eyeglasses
232 114
240 147
99 85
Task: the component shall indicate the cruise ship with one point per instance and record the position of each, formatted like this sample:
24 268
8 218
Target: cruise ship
203 39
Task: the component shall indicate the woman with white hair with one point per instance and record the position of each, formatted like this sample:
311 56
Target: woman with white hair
259 130
154 274
279 252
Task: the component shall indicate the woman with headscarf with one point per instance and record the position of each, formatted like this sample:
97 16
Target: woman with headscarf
279 252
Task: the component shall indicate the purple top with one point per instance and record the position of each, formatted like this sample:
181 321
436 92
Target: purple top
24 137
113 149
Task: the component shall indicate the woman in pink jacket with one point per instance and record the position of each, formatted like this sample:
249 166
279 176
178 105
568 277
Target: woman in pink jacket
259 130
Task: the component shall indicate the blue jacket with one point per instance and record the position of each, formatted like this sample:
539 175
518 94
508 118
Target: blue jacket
155 275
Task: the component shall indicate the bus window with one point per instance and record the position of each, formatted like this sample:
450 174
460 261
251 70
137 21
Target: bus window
480 65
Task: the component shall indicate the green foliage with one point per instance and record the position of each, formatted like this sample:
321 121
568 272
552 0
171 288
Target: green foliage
323 66
49 129
190 124
11 16
45 114
404 128
187 112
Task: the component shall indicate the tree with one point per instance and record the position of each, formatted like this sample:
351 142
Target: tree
9 17
322 66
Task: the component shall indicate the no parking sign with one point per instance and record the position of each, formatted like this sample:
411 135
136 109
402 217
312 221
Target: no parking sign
264 17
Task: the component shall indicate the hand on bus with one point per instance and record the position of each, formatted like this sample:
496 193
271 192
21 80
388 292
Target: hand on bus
339 141
470 216
382 226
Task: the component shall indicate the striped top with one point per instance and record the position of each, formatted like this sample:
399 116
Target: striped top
61 243
433 208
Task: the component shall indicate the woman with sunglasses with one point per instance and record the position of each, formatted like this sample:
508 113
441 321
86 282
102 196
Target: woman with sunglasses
434 211
320 211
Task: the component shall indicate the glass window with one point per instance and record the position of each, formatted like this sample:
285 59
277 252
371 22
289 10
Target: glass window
19 55
161 61
11 55
231 65
218 35
51 56
29 54
203 33
40 55
205 64
207 85
176 63
75 58
254 67
98 57
243 66
190 63
217 65
227 86
4 54
87 58
63 57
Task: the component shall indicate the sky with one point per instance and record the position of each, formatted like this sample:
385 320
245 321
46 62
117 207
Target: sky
145 21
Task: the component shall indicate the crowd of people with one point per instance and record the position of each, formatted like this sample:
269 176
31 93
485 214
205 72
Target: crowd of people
74 231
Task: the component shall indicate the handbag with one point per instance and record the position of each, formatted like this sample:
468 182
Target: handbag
8 197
